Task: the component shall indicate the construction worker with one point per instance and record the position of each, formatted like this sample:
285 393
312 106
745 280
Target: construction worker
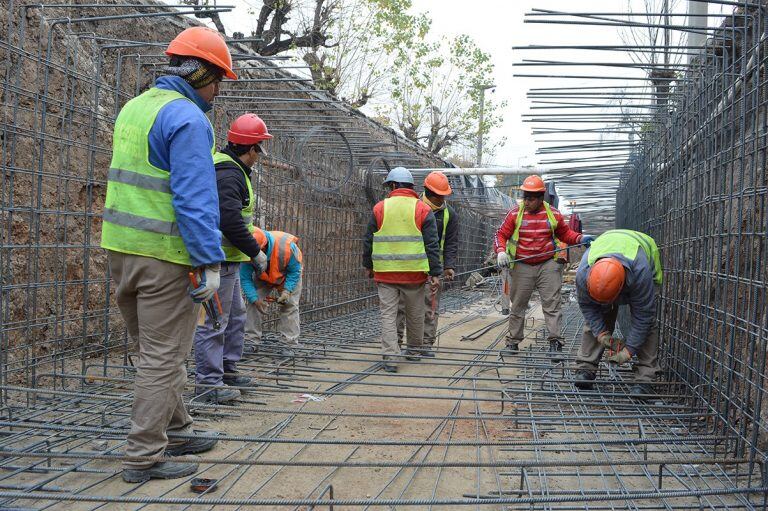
436 189
401 252
621 267
530 232
217 351
281 275
160 221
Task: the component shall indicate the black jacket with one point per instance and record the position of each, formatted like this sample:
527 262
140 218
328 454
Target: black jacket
233 197
451 248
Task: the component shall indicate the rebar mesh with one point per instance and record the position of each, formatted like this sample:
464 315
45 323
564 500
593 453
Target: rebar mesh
696 182
67 70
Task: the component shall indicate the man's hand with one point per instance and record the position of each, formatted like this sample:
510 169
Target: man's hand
284 297
259 263
449 274
369 273
434 284
620 357
604 339
502 260
209 284
261 306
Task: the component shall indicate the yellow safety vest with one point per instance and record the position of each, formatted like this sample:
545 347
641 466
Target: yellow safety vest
398 245
512 242
231 253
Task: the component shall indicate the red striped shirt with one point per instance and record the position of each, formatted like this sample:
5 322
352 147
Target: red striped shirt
535 234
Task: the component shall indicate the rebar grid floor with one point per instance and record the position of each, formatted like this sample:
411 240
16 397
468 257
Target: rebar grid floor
328 428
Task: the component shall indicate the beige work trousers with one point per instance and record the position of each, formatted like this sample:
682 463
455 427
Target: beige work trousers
430 322
160 317
590 352
289 322
547 279
390 296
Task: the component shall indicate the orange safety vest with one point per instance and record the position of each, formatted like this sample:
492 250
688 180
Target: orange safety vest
280 257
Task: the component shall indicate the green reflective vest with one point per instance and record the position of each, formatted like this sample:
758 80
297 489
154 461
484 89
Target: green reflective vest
626 243
512 242
446 217
138 214
231 253
398 245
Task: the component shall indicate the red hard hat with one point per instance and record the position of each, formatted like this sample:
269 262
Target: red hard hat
248 129
605 280
533 184
438 183
204 43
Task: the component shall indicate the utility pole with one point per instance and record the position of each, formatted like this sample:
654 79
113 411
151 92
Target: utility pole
483 88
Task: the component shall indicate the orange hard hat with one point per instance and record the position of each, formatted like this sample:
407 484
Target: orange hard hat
605 280
260 237
533 183
438 183
248 129
204 43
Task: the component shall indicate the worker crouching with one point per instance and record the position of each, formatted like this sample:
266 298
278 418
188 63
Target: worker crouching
281 275
219 347
401 252
621 267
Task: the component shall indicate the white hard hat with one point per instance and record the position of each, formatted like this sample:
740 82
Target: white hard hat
399 175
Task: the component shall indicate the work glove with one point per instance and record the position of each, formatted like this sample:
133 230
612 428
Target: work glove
434 284
502 260
209 284
260 263
449 274
604 339
284 297
586 239
620 357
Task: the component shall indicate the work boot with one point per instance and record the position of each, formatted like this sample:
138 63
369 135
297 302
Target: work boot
584 379
641 391
512 348
194 445
412 355
556 348
160 470
219 395
427 352
237 380
390 368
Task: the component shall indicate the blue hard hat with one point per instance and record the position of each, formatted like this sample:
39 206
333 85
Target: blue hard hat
399 175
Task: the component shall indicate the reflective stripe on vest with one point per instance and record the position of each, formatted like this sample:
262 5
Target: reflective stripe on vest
626 243
138 213
231 253
398 245
512 242
279 257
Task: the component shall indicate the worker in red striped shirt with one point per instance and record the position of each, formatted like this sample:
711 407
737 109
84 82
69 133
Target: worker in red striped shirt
533 235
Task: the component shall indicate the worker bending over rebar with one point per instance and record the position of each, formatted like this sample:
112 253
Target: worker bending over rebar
281 275
219 344
621 267
436 189
161 219
530 232
401 252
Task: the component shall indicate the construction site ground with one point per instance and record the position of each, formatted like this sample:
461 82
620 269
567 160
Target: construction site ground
329 427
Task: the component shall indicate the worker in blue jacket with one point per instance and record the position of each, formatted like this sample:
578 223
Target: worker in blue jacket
621 267
280 282
160 222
